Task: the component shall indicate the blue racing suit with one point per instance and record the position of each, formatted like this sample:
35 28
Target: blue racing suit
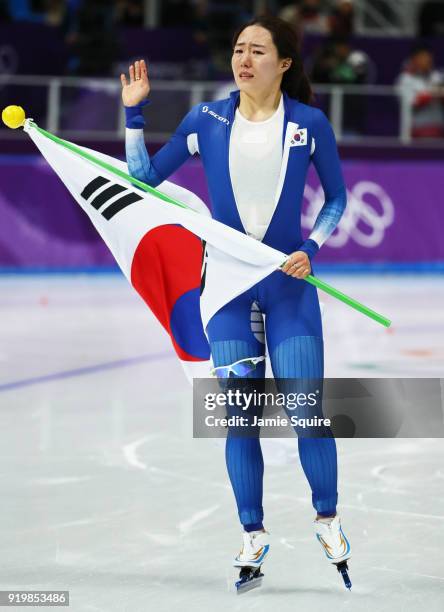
293 327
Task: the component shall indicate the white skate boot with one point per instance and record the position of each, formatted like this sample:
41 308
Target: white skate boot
335 544
254 549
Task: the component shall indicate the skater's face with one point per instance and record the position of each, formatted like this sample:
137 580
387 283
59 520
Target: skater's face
256 66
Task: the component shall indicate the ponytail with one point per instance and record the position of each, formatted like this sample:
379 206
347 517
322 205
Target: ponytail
296 83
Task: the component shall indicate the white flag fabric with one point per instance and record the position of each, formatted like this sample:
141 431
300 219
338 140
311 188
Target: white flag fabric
158 246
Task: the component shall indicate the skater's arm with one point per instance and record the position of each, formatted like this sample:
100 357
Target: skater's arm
328 167
152 170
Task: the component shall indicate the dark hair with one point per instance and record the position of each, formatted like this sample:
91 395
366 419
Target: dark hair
286 40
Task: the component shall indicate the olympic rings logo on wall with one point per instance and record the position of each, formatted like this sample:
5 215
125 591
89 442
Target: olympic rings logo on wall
369 212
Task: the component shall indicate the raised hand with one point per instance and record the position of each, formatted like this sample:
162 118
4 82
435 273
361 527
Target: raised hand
138 88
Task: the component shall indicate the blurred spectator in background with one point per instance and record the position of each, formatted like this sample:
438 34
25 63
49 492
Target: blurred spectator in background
91 36
292 14
49 12
55 11
341 19
431 19
338 62
313 17
26 10
306 16
130 12
199 22
423 89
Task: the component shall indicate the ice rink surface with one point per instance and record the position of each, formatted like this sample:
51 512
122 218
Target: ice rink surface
106 494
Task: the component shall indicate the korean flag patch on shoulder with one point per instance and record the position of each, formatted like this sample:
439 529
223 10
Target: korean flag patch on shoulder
299 138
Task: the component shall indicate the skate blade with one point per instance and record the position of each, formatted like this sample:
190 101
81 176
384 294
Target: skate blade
248 585
343 570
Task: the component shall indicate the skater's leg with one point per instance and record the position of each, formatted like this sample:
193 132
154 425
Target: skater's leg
294 337
302 357
243 455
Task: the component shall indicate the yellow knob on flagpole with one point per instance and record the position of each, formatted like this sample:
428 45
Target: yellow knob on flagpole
13 116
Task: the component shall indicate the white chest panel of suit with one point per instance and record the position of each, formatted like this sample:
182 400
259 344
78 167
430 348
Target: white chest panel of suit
255 159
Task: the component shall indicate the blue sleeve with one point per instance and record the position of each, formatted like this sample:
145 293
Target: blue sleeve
171 156
326 160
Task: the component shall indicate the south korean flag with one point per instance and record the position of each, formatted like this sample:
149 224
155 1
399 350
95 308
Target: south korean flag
299 138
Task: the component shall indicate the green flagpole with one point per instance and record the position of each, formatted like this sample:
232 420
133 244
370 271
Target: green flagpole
109 167
379 318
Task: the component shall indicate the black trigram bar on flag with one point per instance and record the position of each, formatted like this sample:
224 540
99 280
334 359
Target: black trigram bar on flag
104 196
